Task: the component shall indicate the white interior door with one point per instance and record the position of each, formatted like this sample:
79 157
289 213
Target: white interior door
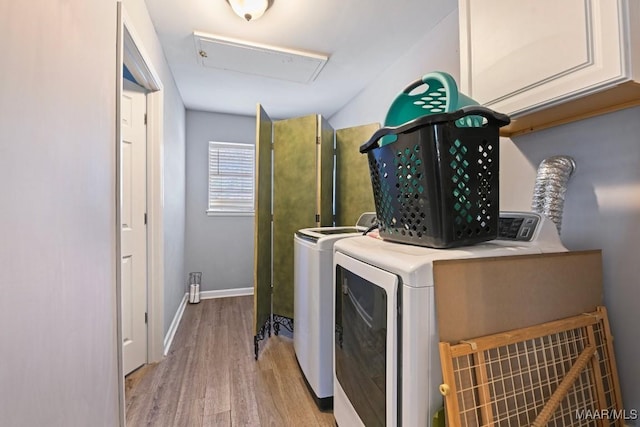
133 226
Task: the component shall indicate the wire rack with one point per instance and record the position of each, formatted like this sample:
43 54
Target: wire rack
560 373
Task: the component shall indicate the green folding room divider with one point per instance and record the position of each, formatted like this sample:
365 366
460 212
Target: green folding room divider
262 226
353 193
302 192
295 190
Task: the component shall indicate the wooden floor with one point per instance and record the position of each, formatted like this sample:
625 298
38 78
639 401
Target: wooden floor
210 376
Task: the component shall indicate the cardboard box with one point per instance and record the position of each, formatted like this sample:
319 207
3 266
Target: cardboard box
482 296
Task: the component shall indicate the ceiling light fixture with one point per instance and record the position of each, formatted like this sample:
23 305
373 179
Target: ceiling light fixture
250 9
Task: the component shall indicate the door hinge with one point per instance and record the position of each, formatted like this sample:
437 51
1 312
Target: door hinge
146 318
317 217
145 218
145 118
318 140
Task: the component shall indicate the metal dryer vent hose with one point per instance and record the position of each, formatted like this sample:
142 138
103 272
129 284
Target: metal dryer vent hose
550 187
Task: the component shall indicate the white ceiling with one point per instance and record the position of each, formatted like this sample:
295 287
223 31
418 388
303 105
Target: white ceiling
360 37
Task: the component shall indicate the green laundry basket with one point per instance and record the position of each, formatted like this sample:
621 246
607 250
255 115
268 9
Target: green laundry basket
438 94
437 185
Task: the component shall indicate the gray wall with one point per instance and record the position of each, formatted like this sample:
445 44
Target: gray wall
602 207
601 211
173 163
57 221
438 50
221 247
58 363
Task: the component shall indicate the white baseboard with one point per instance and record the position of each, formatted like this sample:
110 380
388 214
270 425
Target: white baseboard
168 339
224 293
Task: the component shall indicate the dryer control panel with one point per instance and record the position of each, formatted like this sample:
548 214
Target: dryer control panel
519 226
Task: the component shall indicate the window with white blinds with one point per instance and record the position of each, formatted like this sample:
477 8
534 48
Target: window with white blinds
231 170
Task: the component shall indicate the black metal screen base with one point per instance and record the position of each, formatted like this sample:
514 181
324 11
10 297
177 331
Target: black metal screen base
278 321
260 336
275 322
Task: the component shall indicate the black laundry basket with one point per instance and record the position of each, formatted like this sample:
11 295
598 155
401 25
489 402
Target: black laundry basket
437 185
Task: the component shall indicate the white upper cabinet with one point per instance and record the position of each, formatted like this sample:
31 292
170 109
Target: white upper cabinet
548 62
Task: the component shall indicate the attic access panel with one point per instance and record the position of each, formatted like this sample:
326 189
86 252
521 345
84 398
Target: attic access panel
258 59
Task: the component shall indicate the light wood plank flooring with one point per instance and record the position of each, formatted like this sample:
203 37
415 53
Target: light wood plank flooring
210 376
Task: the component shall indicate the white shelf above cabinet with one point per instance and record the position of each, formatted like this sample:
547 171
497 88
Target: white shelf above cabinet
549 62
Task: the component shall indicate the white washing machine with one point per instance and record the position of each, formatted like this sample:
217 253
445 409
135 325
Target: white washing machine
313 303
387 367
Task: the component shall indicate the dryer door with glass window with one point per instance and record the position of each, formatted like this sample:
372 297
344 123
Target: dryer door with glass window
366 343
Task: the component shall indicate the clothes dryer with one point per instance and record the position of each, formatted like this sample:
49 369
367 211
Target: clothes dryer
387 367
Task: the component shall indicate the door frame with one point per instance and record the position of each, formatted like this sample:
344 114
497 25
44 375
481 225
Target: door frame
130 51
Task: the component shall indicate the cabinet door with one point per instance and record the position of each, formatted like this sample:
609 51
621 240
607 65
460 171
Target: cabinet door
519 56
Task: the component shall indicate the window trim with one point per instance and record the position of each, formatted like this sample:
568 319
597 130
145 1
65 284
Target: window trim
230 212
